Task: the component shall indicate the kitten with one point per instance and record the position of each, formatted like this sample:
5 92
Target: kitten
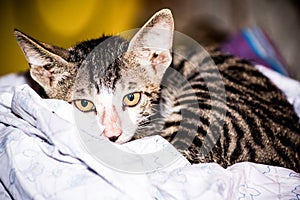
140 87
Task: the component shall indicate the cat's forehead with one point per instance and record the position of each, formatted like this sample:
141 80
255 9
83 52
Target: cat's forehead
100 66
105 45
112 80
108 66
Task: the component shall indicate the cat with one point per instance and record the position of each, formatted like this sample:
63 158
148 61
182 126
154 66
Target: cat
134 89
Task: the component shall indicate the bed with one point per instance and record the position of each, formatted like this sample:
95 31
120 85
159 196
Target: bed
42 157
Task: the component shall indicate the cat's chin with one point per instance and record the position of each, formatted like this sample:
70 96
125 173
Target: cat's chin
123 139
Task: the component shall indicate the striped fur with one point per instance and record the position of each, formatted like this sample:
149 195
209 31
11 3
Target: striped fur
259 124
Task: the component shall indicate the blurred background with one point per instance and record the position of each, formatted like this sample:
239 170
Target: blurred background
66 22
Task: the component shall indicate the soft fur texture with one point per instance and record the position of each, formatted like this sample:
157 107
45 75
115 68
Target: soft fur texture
225 113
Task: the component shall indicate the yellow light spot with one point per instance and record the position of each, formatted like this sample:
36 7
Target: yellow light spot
66 17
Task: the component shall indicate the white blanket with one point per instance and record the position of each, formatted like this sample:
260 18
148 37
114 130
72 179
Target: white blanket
41 157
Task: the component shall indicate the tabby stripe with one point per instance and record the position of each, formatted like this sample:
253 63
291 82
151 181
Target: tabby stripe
180 66
200 125
211 70
220 58
215 93
192 116
226 139
214 132
192 102
186 112
185 134
192 94
207 60
180 133
236 153
193 76
239 125
179 144
197 141
195 85
286 142
283 157
211 80
202 130
172 123
250 150
203 113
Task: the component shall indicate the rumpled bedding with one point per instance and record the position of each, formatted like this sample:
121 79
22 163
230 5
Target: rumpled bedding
42 157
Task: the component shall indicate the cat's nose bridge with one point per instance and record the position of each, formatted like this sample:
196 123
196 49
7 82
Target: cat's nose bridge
112 123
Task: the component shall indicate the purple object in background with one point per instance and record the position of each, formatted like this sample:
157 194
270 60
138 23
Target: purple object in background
254 45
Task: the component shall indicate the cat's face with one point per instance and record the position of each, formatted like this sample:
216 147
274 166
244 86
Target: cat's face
123 107
117 82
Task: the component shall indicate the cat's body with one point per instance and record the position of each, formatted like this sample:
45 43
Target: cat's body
241 116
259 124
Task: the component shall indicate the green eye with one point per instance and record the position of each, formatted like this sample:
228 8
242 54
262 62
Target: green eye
84 105
132 99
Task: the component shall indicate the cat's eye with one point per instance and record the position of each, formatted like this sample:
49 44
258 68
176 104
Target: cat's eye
84 105
132 99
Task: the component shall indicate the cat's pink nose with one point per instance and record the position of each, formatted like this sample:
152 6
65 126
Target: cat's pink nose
112 125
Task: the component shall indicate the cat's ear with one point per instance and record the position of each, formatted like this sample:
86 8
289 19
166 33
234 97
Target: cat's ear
48 65
154 42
